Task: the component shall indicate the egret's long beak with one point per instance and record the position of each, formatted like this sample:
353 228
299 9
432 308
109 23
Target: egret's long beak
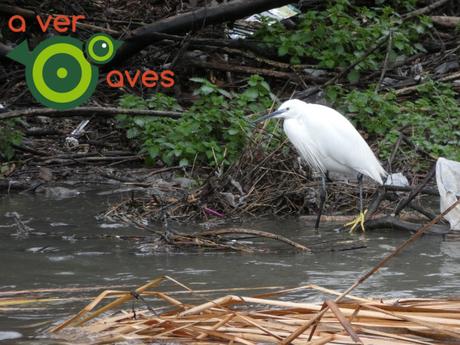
269 116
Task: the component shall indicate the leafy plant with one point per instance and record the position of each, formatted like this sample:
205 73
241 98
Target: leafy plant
432 120
212 131
9 136
343 32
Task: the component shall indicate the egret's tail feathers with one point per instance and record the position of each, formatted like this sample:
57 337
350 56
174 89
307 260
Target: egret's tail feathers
378 175
375 172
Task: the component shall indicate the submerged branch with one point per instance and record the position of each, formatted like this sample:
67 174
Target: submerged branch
257 233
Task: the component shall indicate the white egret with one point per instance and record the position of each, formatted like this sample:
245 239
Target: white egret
328 142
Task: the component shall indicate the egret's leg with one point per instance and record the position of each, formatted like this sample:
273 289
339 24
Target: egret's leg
360 186
362 214
322 198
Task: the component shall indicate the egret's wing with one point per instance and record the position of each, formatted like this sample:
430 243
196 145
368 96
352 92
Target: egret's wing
304 143
332 143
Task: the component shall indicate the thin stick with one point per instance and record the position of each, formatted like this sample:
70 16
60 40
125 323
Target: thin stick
361 279
385 63
85 111
425 10
257 233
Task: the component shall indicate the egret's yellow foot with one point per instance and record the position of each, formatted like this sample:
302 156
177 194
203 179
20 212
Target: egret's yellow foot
358 221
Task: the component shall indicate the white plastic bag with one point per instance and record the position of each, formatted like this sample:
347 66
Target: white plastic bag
448 181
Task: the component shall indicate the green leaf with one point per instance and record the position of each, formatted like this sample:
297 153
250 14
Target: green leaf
420 47
153 151
225 93
132 133
353 76
251 93
199 80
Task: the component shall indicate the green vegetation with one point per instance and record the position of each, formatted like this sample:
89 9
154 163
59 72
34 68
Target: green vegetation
432 119
343 32
213 131
9 136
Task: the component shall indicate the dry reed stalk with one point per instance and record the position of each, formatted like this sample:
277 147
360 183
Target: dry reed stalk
239 320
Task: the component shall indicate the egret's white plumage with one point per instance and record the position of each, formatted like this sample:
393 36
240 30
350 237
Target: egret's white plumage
328 141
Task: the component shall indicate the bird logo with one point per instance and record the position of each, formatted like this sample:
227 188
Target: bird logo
58 74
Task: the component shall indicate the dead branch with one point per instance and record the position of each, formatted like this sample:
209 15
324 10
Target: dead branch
410 89
425 10
257 233
87 111
256 47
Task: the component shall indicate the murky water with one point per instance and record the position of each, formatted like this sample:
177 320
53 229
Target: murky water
54 255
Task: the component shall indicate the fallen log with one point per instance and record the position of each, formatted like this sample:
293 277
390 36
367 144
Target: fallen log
191 21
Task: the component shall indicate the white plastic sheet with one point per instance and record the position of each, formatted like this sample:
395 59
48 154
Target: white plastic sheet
448 181
397 179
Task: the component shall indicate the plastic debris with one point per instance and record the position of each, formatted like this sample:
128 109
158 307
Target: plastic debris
397 179
245 28
72 140
448 181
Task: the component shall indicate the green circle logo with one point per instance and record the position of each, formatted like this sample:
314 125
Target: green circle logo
62 76
58 74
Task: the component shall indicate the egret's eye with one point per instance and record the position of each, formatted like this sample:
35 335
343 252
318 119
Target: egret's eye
100 48
287 109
